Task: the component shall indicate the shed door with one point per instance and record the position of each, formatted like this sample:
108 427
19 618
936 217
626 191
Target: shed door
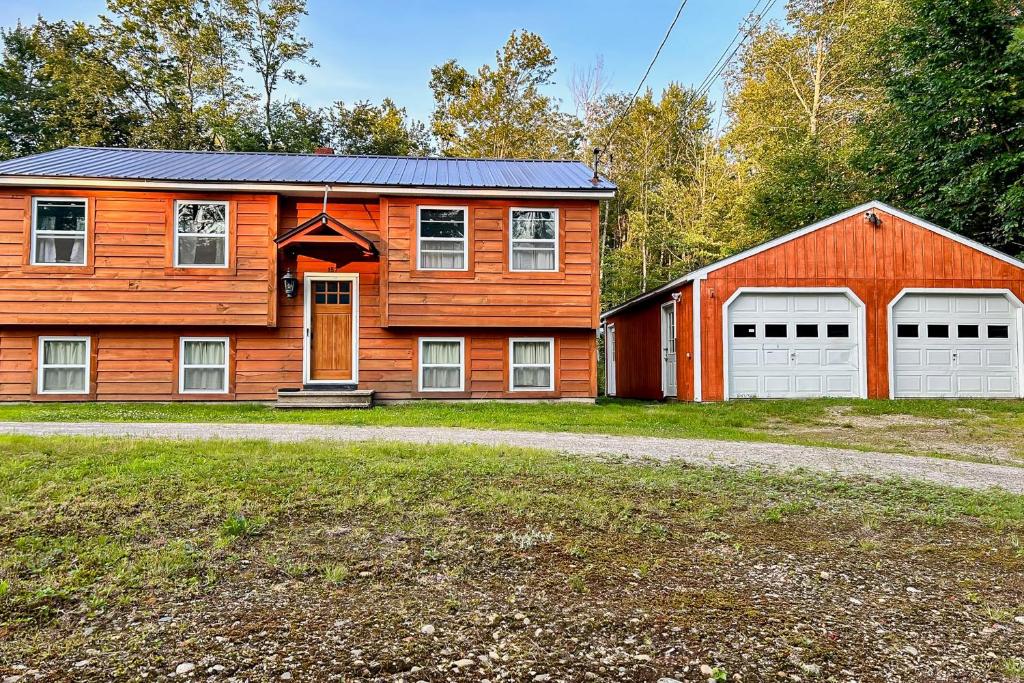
793 345
668 350
953 345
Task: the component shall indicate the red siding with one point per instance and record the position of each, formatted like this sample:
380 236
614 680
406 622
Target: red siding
875 263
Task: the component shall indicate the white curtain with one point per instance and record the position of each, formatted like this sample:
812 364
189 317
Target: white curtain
64 353
441 361
204 353
60 250
537 355
201 250
442 254
533 255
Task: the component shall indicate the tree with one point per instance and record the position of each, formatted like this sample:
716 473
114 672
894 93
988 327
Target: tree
376 129
56 91
949 142
179 63
501 111
267 34
795 102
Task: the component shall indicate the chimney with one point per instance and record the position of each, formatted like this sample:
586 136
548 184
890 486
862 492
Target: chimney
324 151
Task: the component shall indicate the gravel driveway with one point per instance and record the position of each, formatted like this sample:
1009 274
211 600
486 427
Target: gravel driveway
692 451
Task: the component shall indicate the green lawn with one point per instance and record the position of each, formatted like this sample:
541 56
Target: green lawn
979 430
123 558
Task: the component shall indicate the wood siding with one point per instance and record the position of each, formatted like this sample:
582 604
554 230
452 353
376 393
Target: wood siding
129 278
875 263
487 294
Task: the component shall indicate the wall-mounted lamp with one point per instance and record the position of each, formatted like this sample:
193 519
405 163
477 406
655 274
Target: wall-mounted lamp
290 283
872 218
676 296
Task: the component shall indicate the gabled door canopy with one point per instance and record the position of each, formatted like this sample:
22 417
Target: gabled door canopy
326 238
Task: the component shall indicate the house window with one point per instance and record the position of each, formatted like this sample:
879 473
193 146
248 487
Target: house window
63 365
534 234
441 238
59 228
533 367
201 234
204 365
441 364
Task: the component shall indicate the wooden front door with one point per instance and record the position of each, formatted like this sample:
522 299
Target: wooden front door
330 330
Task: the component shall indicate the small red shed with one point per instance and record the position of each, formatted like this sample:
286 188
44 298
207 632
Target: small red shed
872 303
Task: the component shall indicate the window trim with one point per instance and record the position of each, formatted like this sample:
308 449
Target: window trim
227 234
41 365
33 232
465 238
512 240
421 366
512 364
181 365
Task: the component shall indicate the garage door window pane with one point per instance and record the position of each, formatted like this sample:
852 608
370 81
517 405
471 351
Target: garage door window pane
838 331
967 331
907 331
744 331
806 331
775 331
938 331
998 331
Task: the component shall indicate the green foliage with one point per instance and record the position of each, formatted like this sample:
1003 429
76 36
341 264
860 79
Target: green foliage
949 142
501 110
238 525
365 128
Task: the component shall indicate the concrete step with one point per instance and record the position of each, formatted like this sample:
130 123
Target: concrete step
314 398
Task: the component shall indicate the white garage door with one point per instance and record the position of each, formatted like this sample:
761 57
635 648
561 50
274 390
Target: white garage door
953 345
793 345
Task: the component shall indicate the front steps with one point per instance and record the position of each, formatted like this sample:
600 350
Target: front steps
324 398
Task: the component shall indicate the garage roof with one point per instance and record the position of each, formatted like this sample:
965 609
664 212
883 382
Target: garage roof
874 205
308 169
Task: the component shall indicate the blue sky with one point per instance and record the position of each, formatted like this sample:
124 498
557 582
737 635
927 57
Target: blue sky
374 49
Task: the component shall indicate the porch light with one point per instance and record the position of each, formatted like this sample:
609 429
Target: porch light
290 283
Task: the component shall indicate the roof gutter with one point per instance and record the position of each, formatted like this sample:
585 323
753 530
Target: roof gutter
296 188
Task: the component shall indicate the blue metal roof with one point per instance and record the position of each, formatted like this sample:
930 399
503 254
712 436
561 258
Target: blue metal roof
261 167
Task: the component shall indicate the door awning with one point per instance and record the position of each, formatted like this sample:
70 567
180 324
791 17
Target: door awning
326 238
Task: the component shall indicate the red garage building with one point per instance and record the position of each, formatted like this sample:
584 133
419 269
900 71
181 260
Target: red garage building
872 303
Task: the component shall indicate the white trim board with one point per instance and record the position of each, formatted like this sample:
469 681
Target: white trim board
890 337
307 311
862 341
873 205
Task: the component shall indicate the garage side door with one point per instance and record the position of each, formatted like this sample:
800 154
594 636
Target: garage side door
955 345
793 345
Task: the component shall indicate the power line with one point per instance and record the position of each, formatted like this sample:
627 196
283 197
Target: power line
629 104
720 66
739 34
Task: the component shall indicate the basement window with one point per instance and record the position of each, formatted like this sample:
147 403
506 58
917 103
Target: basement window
201 234
64 365
532 364
203 365
441 364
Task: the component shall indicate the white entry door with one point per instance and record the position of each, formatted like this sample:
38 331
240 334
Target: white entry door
668 350
793 345
955 345
609 360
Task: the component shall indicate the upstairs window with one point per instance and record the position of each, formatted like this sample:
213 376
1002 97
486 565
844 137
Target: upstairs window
201 234
533 367
441 238
63 365
534 240
58 231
